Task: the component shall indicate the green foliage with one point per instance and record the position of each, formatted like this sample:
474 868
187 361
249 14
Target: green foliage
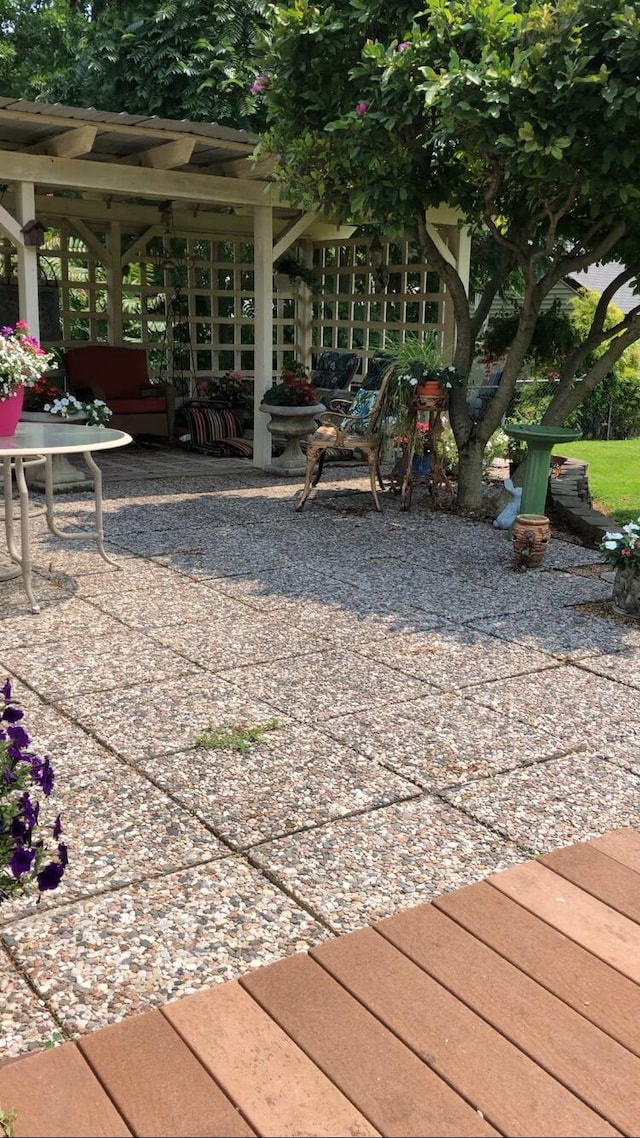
236 738
553 337
188 59
7 1119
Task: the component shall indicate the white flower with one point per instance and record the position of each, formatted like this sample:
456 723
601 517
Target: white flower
631 527
614 537
610 544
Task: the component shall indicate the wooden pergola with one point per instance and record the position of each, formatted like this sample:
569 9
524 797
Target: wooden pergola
110 176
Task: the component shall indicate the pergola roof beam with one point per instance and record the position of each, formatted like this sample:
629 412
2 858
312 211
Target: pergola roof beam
166 157
68 144
110 177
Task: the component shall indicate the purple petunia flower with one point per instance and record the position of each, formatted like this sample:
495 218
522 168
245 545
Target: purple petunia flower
5 690
362 108
30 810
50 877
56 829
19 736
12 714
404 45
20 861
19 829
62 854
43 774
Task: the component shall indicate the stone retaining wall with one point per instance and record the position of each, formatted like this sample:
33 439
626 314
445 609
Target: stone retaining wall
572 501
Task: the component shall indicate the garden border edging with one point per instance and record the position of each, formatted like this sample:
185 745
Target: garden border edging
572 501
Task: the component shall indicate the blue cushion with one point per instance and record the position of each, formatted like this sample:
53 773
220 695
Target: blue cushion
361 407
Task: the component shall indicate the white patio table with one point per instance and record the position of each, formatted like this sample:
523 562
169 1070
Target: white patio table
36 443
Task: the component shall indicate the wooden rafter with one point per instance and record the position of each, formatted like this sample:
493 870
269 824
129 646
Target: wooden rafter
166 157
68 144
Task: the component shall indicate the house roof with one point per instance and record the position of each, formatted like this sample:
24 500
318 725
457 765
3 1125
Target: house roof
598 276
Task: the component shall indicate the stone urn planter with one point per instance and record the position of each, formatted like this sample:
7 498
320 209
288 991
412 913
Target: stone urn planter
294 424
626 592
66 477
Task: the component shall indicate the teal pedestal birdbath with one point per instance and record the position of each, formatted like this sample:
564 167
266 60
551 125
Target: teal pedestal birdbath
540 442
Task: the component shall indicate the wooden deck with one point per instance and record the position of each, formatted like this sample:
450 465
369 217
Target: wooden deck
509 1007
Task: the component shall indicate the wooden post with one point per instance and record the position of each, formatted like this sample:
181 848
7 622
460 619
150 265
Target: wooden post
114 283
28 261
263 351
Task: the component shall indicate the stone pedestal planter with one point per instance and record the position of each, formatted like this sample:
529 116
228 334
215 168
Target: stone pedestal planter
66 477
626 593
294 424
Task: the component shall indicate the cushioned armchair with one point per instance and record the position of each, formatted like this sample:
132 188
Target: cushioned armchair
120 376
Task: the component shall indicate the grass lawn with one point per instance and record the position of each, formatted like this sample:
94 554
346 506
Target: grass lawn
614 475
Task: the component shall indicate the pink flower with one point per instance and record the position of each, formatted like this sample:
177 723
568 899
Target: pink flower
362 108
626 552
20 324
404 45
260 85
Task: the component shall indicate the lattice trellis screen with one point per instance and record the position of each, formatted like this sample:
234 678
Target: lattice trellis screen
361 303
195 315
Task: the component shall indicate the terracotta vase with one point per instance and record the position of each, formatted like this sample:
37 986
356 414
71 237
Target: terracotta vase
531 534
10 412
626 592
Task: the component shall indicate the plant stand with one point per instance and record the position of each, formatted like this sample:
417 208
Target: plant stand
66 477
293 424
428 408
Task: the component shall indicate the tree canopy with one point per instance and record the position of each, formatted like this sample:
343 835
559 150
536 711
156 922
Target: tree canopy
523 114
175 58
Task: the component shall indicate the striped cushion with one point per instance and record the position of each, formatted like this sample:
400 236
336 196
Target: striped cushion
208 424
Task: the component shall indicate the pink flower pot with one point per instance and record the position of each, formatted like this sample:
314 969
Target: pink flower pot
10 412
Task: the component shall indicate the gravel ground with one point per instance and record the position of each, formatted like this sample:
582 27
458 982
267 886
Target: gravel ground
439 717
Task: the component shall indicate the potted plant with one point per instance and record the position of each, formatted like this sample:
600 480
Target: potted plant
419 362
296 271
229 391
22 362
293 405
621 549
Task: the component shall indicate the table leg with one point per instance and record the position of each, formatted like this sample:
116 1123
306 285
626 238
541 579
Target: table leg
97 495
23 493
7 476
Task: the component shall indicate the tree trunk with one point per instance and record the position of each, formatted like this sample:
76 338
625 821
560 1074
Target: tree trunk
469 495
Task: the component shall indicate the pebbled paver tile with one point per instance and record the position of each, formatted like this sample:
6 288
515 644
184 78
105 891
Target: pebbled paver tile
339 685
25 1022
566 800
444 740
293 779
118 954
361 869
89 661
568 701
164 718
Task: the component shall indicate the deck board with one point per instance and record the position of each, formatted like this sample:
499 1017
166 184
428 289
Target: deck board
399 1093
510 1007
594 989
278 1088
583 918
514 1094
156 1082
596 874
598 1070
